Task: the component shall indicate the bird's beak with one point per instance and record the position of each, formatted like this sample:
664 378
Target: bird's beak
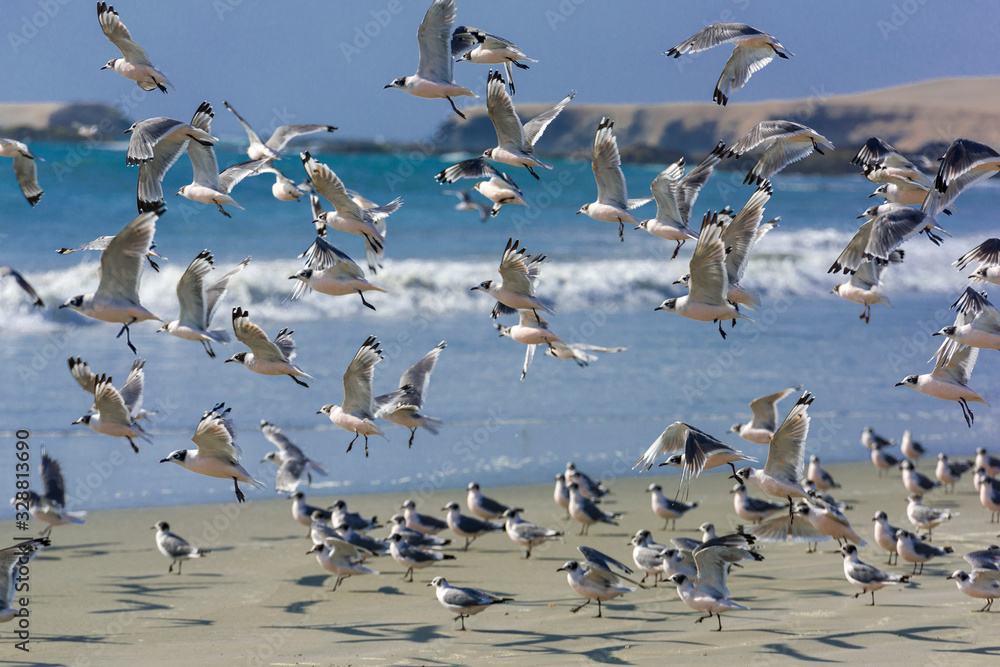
561 569
319 412
872 195
473 289
658 308
316 547
430 584
577 213
937 333
227 361
164 460
262 460
78 421
635 229
104 67
387 86
898 384
151 527
62 306
949 577
860 216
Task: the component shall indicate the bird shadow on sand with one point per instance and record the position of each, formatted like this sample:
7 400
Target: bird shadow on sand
929 633
78 550
562 644
366 632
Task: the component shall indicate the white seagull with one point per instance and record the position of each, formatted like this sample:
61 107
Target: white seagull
357 414
272 148
864 287
531 330
330 271
708 591
519 272
987 257
350 216
403 405
754 49
977 323
612 204
785 142
341 558
174 547
950 378
49 506
498 187
293 464
473 45
709 284
217 455
464 601
867 577
765 417
695 451
24 168
155 145
116 409
265 357
595 580
785 457
435 77
135 63
982 584
198 303
516 143
208 185
117 296
525 533
675 193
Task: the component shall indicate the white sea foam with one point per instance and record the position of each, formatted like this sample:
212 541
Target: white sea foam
791 262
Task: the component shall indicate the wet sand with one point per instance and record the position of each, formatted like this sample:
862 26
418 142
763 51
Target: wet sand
101 594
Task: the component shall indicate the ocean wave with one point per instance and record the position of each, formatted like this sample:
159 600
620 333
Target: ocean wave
791 262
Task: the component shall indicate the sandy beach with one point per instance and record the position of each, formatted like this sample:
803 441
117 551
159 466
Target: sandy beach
101 594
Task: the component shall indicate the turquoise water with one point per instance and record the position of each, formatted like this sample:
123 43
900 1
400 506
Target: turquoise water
498 430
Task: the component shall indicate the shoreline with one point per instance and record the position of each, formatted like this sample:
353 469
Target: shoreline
102 590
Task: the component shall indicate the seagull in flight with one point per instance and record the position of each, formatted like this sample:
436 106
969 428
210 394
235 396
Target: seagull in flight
498 187
950 378
25 286
765 417
473 45
357 414
117 409
267 357
217 455
754 49
198 303
785 142
403 405
117 296
25 168
516 291
613 204
272 148
435 76
516 143
134 63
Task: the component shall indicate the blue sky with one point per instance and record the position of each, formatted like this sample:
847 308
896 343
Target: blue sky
326 62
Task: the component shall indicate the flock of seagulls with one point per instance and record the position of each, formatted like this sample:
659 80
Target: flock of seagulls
723 246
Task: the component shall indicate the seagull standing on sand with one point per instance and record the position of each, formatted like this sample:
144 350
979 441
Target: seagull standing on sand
135 63
25 168
265 357
483 506
982 584
765 417
709 284
217 455
464 601
116 409
586 511
916 482
198 303
117 296
412 556
525 533
821 478
752 509
341 558
403 405
924 517
422 523
272 148
516 143
949 473
612 204
665 508
913 550
175 547
708 591
754 49
435 69
867 577
357 414
466 526
156 144
594 578
675 193
885 534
